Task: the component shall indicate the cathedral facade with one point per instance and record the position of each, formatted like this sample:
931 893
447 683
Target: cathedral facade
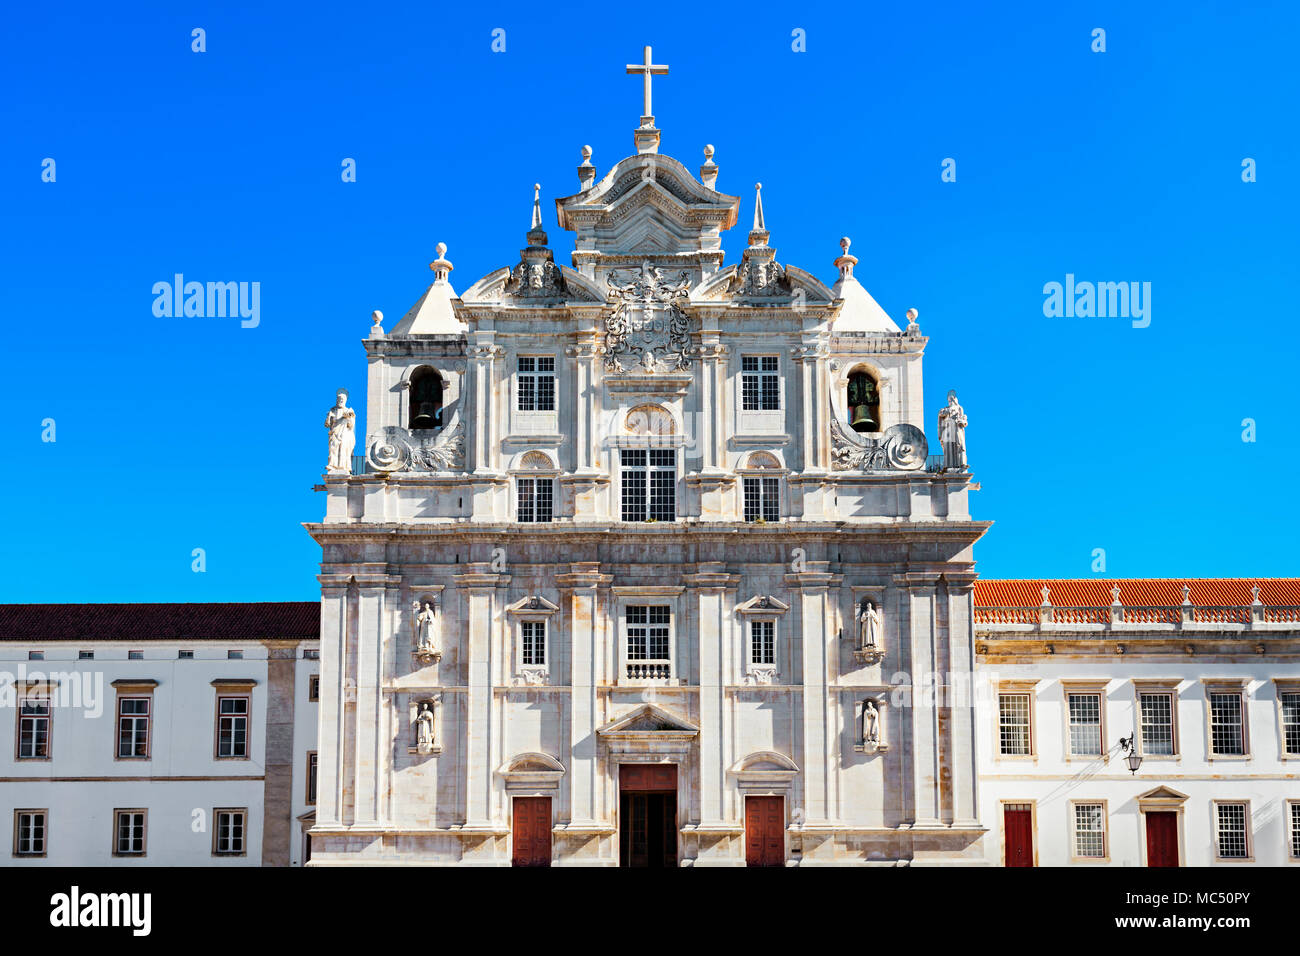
643 561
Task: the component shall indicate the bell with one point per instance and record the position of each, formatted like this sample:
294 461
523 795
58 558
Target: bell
425 417
862 420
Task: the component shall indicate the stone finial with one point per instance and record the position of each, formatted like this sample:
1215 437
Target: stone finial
586 171
709 171
759 234
536 234
1254 595
912 327
846 262
376 324
1047 596
1186 594
1114 596
440 266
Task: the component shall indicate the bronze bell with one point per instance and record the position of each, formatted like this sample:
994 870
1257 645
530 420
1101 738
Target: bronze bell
862 420
425 417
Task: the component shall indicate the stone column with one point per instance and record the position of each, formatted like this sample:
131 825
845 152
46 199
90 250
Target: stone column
277 783
961 655
821 742
917 634
376 594
479 585
584 600
714 594
333 661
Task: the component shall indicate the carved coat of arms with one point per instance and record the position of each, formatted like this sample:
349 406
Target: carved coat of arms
647 326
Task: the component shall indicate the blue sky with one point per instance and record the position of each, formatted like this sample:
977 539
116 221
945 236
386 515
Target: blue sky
174 434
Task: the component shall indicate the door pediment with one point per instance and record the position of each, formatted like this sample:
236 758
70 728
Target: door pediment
648 720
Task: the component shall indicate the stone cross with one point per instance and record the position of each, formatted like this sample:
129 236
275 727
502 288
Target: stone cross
647 69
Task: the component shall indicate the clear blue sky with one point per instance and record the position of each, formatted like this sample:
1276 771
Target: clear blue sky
174 434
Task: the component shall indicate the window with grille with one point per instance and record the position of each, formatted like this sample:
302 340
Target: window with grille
133 727
535 496
1231 818
1293 817
536 383
1291 723
228 839
532 635
762 499
29 833
1085 724
649 479
313 764
232 726
129 826
1089 830
313 688
647 639
1157 722
34 729
1013 724
760 383
1227 731
762 642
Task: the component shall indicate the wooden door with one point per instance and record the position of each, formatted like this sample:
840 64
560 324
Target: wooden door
647 815
1018 829
765 831
1162 838
532 831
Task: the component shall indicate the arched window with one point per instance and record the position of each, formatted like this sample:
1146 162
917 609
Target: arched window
426 399
863 402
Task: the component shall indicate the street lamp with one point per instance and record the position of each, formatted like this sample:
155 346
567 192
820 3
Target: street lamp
1132 757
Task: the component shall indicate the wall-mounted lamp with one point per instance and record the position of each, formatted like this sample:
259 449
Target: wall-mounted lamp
1132 757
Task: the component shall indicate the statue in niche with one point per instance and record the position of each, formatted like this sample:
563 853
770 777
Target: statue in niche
952 434
869 628
341 422
424 728
870 725
426 631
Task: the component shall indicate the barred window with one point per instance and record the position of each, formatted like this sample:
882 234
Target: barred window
34 729
229 837
532 635
313 766
762 642
1231 820
649 480
1013 724
536 383
130 831
1089 830
232 726
1227 732
760 383
762 499
1157 722
1291 723
133 727
1293 816
1085 724
29 833
647 632
536 499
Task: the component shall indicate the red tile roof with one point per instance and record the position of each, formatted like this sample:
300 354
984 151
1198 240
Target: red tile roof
160 622
1136 592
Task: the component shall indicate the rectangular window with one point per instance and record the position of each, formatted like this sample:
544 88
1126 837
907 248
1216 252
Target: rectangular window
1090 830
313 687
29 832
228 835
129 832
760 383
36 655
232 726
1293 827
647 632
533 636
34 729
536 383
135 655
649 479
85 655
133 727
762 642
1013 724
1085 725
536 496
313 762
1291 723
311 653
762 499
1157 722
1230 831
1227 731
234 655
185 655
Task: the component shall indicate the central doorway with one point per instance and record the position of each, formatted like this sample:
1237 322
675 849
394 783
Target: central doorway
647 820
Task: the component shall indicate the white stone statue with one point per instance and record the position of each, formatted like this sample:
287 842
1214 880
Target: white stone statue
425 628
870 724
341 422
869 627
424 729
952 434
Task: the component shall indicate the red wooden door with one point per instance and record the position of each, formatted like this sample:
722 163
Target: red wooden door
765 831
532 831
1162 838
1018 826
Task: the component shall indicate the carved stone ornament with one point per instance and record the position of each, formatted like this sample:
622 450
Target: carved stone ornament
398 450
647 326
425 628
873 728
761 675
758 277
902 448
871 645
425 728
536 280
